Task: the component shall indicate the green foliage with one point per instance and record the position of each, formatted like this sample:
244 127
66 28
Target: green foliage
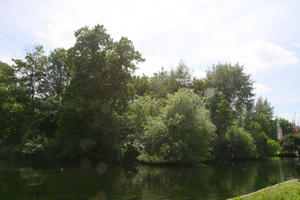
262 113
199 86
286 126
264 107
164 82
233 83
290 143
6 77
87 104
182 133
240 143
264 122
228 93
222 117
32 72
273 147
264 145
139 86
35 145
97 94
58 72
143 108
13 108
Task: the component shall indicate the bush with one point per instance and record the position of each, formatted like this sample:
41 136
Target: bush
182 133
272 147
265 146
36 145
240 143
290 143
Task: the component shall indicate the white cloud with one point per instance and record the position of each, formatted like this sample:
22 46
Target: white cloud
199 74
260 55
296 44
260 89
200 32
6 59
153 65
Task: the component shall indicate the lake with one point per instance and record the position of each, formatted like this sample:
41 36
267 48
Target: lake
21 181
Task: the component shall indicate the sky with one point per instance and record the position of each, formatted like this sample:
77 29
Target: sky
263 36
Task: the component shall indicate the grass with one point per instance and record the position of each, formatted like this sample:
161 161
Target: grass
289 190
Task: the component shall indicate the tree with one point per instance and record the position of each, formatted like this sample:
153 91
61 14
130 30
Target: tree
233 83
97 95
262 113
183 75
199 86
264 145
286 126
139 86
14 112
7 77
141 110
222 117
265 124
31 72
240 143
33 82
164 82
263 106
290 143
58 72
6 101
182 133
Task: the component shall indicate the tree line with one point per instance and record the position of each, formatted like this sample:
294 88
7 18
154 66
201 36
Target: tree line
86 102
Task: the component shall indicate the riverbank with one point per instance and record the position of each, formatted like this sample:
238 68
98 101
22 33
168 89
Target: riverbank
285 190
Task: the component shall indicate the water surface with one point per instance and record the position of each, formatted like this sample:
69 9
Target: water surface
20 181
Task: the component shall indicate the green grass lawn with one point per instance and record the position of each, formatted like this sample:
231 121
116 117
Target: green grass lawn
289 190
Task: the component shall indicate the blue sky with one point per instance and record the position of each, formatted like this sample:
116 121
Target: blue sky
264 36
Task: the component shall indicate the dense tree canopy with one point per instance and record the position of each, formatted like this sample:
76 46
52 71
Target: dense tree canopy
85 102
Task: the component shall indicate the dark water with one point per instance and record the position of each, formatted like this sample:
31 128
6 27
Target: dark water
214 181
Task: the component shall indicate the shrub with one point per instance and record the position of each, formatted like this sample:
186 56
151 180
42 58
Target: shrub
272 147
240 143
182 133
36 145
265 146
290 143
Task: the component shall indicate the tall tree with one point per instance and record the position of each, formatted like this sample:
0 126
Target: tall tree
222 117
6 76
12 107
58 72
31 71
233 83
97 94
263 106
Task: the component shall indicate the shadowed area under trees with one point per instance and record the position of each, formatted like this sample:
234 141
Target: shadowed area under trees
86 103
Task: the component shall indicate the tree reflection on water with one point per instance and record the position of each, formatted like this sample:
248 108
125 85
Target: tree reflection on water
143 182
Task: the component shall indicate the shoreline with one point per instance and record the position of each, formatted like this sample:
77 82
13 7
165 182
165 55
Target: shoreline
267 192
